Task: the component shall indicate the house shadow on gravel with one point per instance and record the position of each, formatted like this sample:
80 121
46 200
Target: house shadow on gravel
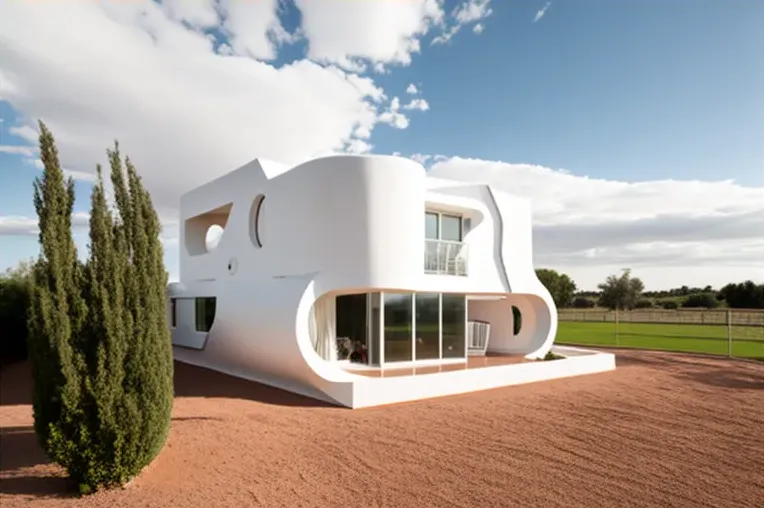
193 381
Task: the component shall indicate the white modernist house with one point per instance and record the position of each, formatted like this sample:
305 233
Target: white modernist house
361 281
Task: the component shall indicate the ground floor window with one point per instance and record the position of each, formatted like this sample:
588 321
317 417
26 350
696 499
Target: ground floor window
381 328
173 313
205 313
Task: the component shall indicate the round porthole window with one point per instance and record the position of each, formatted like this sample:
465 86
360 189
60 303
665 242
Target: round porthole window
233 265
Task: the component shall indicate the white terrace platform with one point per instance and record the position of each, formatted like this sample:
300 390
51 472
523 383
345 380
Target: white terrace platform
375 387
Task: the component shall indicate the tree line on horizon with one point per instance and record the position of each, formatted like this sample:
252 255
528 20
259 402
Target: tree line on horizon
627 292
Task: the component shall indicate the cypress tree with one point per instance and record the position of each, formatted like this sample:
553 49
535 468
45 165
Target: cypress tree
103 371
57 312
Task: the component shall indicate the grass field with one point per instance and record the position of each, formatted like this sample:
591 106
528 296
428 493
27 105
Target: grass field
747 342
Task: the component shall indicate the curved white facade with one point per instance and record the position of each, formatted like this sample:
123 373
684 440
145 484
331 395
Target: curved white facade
336 225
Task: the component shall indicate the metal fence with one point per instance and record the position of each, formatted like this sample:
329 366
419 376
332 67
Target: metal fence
729 332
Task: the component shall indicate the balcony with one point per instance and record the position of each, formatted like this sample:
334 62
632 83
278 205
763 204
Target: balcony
443 257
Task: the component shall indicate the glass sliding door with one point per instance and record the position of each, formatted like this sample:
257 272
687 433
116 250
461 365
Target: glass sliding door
427 326
398 327
352 328
454 325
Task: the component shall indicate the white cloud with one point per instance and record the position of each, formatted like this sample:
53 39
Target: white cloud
393 116
183 112
352 33
19 225
541 12
412 89
82 176
417 104
463 14
472 10
24 132
18 149
420 158
253 28
704 231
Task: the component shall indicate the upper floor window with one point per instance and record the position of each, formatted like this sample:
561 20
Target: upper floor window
443 226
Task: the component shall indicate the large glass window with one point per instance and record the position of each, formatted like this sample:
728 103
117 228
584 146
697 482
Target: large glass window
454 315
205 313
398 327
351 328
427 326
451 228
431 225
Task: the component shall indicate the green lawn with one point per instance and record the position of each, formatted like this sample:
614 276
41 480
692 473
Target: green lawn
746 341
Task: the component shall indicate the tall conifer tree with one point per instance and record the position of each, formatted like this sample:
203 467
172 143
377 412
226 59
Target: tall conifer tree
101 343
57 310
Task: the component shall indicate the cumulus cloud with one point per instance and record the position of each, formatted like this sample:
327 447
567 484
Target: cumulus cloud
17 150
589 222
417 104
161 85
464 14
19 225
350 34
412 89
393 115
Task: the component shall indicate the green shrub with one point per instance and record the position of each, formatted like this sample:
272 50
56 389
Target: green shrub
552 356
14 305
581 302
701 300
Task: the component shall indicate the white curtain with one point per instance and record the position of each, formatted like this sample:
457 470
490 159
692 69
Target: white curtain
322 326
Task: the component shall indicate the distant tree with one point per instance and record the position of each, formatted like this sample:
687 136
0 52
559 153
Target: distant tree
701 300
744 295
621 292
560 286
644 303
14 305
581 302
670 304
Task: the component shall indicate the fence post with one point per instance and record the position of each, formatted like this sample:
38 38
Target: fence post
617 340
729 333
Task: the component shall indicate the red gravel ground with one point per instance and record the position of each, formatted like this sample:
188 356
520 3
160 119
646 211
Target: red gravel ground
663 430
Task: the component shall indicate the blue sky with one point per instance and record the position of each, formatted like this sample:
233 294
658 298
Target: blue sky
624 91
631 90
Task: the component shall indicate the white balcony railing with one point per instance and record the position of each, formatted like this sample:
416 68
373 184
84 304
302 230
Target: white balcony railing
442 257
